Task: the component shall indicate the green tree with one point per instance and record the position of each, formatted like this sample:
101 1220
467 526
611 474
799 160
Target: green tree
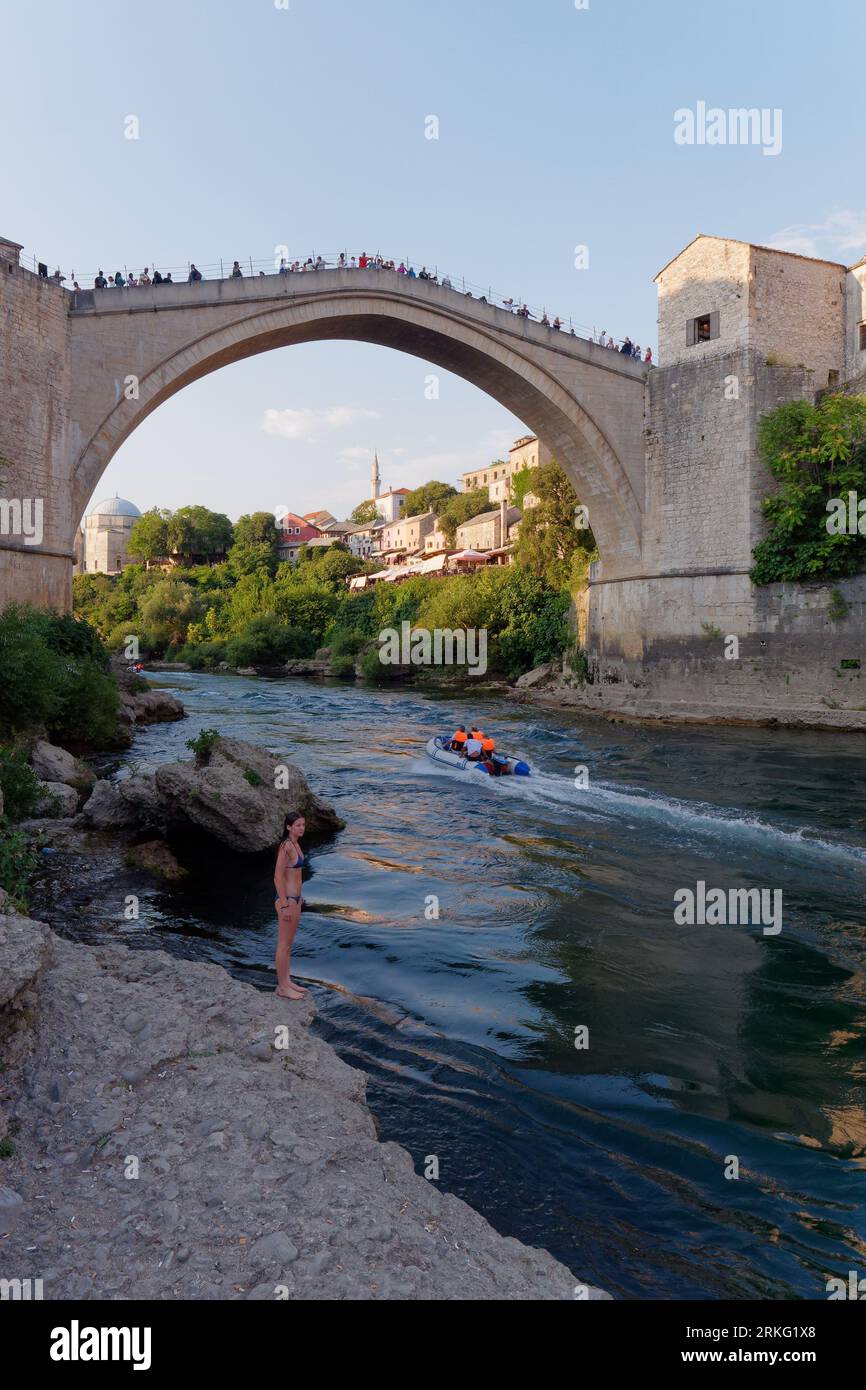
337 564
364 513
198 531
430 496
521 483
148 538
816 453
259 528
255 545
54 674
462 507
550 544
166 613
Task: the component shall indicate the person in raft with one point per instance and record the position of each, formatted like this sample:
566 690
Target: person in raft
287 882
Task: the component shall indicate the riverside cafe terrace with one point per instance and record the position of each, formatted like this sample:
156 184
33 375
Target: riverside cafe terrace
454 562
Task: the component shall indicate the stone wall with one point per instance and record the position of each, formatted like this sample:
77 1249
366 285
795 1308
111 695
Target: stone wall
796 312
665 638
855 314
35 440
789 308
705 482
710 274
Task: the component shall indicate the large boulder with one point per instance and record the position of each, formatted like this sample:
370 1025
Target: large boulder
53 764
240 795
57 800
156 857
141 796
149 707
541 675
106 809
309 666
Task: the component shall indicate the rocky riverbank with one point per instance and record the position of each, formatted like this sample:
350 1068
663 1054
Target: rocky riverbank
555 687
168 1132
172 1133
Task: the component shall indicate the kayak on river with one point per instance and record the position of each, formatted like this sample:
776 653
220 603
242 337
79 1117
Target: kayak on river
439 749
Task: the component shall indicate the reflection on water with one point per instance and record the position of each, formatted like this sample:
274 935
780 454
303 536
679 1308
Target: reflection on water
555 911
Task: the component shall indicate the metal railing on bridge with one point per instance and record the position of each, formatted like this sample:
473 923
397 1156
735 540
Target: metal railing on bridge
253 267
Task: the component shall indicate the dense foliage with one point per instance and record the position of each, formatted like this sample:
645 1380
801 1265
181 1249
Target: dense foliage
54 676
453 511
364 513
250 610
188 533
551 544
18 863
429 497
817 453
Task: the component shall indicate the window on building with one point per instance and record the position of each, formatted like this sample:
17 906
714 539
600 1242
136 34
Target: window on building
702 329
862 337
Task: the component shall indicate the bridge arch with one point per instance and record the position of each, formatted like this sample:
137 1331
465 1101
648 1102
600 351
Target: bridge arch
170 338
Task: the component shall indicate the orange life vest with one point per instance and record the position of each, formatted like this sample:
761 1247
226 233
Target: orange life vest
458 737
487 743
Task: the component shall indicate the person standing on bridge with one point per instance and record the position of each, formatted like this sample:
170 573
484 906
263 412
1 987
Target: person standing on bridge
194 275
144 277
237 273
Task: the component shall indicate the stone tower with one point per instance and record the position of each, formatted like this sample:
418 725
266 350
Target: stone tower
375 480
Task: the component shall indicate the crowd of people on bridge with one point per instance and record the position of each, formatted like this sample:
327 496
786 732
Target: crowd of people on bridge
363 262
627 347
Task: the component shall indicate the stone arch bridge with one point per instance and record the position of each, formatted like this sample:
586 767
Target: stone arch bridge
75 408
664 461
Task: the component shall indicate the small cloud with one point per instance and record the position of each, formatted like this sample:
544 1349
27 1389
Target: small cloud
303 424
841 236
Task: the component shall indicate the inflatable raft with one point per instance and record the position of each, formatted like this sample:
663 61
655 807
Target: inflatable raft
438 750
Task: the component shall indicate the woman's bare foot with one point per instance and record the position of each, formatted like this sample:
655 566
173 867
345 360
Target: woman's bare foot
294 984
290 993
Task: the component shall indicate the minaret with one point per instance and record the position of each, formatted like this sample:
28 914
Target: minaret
374 476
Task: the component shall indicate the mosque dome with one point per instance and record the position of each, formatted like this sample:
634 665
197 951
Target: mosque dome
115 506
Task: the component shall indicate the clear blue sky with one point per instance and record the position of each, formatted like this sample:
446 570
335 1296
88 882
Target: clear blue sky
261 126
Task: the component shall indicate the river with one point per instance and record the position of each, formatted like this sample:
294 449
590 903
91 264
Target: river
555 912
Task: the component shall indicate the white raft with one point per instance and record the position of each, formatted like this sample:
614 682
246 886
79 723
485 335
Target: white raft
439 751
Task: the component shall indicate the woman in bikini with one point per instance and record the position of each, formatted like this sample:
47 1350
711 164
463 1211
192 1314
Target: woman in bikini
287 882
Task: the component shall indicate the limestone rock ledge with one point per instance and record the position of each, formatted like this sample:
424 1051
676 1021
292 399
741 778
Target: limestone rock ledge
259 1171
